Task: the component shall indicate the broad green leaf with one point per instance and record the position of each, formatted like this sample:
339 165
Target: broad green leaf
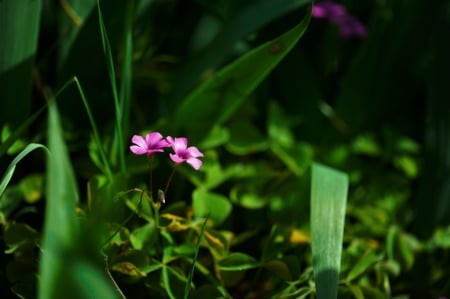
245 22
19 31
221 95
328 201
238 262
212 205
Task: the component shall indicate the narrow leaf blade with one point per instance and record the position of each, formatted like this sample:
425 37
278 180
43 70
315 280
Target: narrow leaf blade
329 189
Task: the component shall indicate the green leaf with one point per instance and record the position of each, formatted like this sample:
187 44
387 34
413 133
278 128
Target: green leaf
245 139
212 205
363 264
238 262
64 270
173 282
245 22
119 104
216 137
248 198
328 201
221 95
297 157
278 126
143 236
12 166
356 291
17 19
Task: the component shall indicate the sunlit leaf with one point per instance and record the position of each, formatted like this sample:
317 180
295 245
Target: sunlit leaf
328 202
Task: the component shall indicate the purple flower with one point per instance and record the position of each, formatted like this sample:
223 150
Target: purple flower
337 14
183 153
152 143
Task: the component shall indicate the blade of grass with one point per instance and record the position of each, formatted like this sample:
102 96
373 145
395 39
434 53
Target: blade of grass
64 269
106 164
12 166
60 226
126 76
187 289
118 107
328 200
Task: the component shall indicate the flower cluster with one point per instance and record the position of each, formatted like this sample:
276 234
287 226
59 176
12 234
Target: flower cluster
155 143
337 14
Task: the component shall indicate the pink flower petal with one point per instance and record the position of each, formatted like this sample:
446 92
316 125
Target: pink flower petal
194 152
137 150
155 140
195 163
179 143
175 158
139 140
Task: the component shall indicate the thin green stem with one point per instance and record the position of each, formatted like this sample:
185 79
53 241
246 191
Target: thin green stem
150 168
169 181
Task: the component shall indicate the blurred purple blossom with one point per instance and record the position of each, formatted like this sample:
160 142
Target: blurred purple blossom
337 14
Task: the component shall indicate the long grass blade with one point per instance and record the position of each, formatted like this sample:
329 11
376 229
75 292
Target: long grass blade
112 76
65 271
10 170
187 289
127 67
329 189
60 227
105 162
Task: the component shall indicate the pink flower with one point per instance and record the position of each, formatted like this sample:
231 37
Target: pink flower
183 153
153 143
337 14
